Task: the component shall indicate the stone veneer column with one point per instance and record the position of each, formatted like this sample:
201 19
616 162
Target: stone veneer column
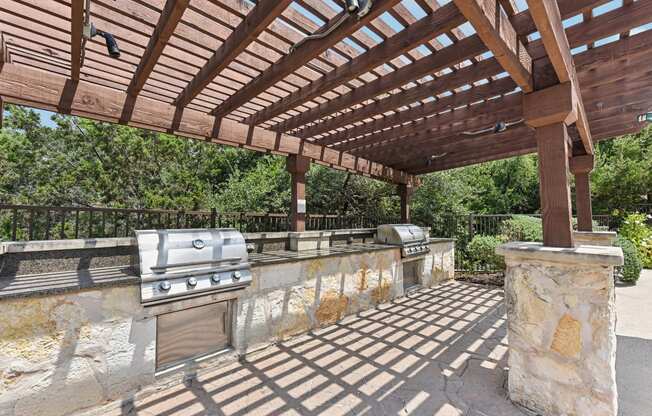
561 328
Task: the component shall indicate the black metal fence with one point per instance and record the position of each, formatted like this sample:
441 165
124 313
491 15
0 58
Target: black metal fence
30 222
463 228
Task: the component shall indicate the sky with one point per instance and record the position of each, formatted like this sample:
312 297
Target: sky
418 12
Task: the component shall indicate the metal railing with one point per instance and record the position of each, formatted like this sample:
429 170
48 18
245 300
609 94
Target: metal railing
463 228
32 222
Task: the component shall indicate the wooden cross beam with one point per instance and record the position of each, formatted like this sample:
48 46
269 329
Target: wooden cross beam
443 20
246 32
40 89
301 56
474 94
451 81
464 49
167 23
547 18
76 25
496 31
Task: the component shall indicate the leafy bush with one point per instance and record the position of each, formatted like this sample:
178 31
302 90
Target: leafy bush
522 228
482 253
639 233
630 271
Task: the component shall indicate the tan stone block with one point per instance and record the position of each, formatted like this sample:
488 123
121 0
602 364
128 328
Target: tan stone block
567 340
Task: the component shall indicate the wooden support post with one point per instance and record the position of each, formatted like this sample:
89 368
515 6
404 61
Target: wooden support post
581 167
549 111
554 188
298 166
405 192
2 112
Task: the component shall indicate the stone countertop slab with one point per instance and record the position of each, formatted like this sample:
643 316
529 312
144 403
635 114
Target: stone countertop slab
60 282
608 256
68 281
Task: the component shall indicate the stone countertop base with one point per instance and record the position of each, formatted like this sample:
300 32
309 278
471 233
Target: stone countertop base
59 282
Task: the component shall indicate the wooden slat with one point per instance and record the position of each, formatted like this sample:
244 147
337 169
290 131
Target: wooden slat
76 23
496 31
21 85
167 23
547 18
471 118
474 94
246 32
433 25
466 48
299 57
444 83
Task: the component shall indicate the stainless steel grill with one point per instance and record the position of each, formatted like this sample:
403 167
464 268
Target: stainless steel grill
411 238
186 263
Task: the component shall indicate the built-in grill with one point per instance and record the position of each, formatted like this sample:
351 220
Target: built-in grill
411 238
177 264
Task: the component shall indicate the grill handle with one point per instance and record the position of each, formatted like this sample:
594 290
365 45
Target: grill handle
164 268
200 272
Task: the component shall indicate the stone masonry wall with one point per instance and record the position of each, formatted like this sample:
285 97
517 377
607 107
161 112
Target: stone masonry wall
292 298
561 329
62 353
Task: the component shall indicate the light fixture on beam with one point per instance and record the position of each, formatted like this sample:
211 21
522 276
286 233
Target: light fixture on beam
358 8
499 127
111 45
645 117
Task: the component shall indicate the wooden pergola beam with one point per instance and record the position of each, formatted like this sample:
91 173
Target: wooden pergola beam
548 20
496 31
476 117
451 81
40 89
76 24
299 57
447 57
474 94
167 23
246 32
441 21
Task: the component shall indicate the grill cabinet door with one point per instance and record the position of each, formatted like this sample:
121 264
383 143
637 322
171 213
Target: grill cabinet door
191 332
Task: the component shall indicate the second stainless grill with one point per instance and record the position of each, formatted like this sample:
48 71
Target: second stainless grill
411 238
186 263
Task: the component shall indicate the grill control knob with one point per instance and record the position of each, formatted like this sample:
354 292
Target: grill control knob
192 282
216 278
164 285
236 275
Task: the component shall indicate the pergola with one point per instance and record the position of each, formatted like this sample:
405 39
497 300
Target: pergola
361 96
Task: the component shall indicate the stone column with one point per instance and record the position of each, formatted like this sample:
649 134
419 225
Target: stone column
298 166
595 238
581 167
562 328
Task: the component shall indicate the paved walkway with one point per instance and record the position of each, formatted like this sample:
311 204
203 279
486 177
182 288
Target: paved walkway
634 356
437 352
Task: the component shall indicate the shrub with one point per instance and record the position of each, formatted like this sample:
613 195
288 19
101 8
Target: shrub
630 271
522 228
639 233
482 253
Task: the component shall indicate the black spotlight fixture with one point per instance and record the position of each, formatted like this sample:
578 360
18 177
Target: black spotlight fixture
111 45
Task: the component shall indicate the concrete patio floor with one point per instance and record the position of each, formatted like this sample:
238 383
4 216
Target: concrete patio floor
439 351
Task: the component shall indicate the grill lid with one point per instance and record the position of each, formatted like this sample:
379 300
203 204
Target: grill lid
164 252
400 234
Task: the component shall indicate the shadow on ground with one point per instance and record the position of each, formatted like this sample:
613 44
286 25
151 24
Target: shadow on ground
440 351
